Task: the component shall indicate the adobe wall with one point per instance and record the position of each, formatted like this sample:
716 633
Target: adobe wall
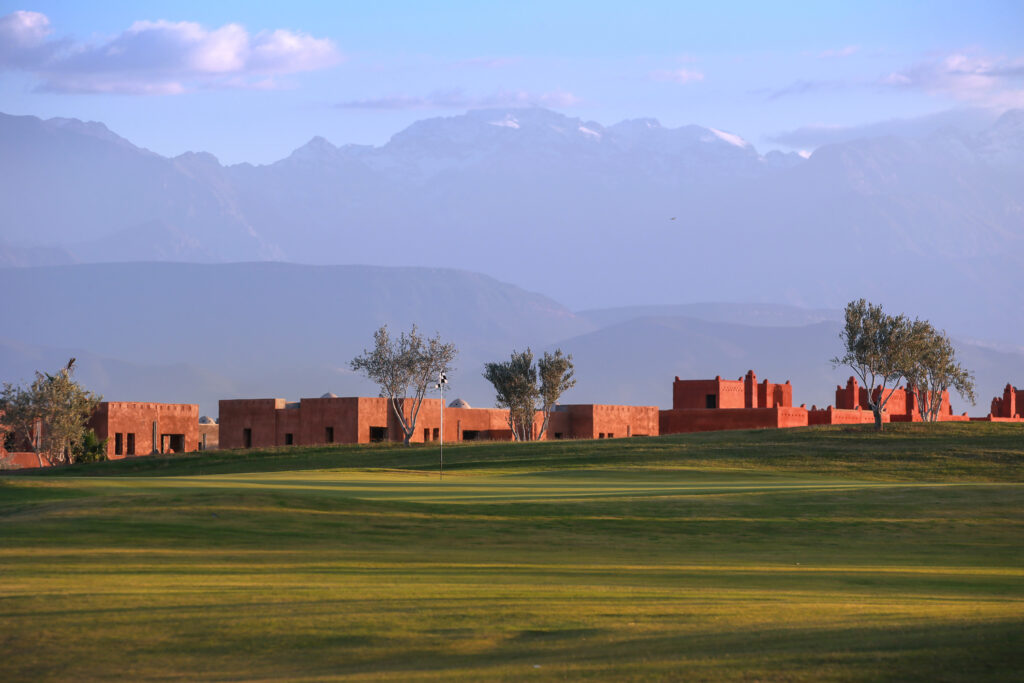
257 414
1010 405
597 421
683 421
841 416
321 421
901 405
209 437
745 392
487 423
134 422
19 460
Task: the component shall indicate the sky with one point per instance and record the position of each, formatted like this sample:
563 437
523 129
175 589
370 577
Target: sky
250 81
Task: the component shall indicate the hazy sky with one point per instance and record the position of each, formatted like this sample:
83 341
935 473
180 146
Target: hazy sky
251 81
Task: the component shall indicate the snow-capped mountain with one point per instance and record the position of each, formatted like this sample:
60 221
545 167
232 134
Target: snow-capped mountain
594 215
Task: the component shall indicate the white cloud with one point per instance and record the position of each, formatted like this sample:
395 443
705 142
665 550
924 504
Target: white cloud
23 38
458 99
973 79
159 57
681 76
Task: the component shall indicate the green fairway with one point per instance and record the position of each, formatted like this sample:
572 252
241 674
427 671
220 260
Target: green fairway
807 554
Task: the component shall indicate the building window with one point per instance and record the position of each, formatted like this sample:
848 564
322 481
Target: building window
601 435
470 434
289 439
710 402
119 444
435 433
426 434
329 435
131 443
378 434
246 438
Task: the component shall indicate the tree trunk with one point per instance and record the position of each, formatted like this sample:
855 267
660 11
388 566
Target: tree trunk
878 419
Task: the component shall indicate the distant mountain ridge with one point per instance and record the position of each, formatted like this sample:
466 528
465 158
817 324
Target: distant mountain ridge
199 333
595 215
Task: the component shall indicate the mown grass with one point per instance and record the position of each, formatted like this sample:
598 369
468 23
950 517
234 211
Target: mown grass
797 555
952 450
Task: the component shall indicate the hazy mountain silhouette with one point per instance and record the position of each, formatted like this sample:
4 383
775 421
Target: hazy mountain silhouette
595 216
199 333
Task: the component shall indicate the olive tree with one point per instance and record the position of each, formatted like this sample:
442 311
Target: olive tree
516 383
404 368
879 349
50 413
933 370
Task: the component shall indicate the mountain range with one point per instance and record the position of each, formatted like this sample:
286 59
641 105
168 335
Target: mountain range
594 216
197 333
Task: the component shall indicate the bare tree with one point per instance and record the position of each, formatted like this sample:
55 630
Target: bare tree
403 369
934 370
516 384
878 348
50 414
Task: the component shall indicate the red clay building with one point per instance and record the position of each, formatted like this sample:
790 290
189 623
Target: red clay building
130 429
900 407
262 423
146 428
1007 408
716 404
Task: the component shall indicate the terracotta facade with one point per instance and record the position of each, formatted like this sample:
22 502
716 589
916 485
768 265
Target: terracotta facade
901 405
1006 408
704 405
133 429
263 423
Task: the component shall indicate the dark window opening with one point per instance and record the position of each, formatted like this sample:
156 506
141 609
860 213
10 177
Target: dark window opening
601 435
710 402
378 434
470 434
9 440
247 438
426 434
559 435
118 443
329 435
289 439
611 435
435 434
131 443
172 443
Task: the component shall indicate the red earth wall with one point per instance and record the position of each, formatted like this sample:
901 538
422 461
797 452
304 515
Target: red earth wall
681 421
717 393
177 427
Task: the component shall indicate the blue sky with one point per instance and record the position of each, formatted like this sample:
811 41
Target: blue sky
251 81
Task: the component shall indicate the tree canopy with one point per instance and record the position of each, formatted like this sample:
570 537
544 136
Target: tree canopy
516 385
404 368
934 370
50 414
882 349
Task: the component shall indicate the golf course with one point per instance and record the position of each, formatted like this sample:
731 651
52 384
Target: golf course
809 554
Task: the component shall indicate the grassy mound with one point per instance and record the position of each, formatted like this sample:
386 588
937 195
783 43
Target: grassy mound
810 554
